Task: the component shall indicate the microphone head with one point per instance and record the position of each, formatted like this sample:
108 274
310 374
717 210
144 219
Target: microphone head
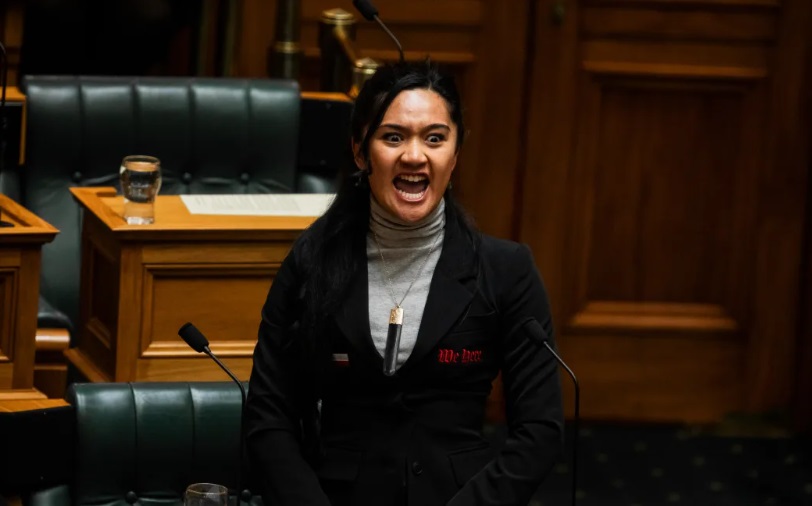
193 337
366 9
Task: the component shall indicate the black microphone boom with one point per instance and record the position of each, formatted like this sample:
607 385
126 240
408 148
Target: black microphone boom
198 342
575 421
369 12
537 331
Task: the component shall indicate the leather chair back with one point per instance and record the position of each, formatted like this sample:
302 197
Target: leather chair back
146 442
213 135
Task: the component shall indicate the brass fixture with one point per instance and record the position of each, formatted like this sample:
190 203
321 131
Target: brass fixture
363 69
341 68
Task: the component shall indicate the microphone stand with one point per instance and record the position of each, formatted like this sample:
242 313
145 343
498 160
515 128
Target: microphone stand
3 123
370 12
390 34
576 421
198 342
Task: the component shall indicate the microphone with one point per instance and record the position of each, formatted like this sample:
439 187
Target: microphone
537 333
198 342
3 123
369 12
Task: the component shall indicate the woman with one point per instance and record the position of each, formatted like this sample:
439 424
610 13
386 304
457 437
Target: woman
326 422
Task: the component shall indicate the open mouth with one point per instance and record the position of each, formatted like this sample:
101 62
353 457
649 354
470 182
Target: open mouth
411 186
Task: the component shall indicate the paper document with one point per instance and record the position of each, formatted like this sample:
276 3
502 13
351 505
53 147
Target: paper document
279 204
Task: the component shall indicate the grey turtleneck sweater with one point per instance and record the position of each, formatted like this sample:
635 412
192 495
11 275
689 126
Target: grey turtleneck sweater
404 247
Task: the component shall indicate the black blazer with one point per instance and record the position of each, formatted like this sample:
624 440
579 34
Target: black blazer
415 438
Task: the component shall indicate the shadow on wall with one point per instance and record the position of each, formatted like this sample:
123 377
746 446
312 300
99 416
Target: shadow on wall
100 37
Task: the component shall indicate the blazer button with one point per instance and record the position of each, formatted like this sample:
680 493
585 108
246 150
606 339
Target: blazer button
131 497
187 177
417 469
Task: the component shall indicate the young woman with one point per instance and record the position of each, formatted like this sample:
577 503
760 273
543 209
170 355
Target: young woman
333 416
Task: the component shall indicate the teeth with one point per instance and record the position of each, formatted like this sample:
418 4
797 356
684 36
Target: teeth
412 196
413 178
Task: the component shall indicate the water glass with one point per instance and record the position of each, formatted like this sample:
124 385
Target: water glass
140 183
205 494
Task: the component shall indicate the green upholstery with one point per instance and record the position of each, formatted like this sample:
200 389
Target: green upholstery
143 443
213 135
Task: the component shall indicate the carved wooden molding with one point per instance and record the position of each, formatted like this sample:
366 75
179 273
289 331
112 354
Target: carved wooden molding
653 317
669 71
153 274
8 287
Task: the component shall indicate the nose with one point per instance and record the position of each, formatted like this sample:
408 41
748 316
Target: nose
413 153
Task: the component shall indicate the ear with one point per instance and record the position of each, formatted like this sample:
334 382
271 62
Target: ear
357 156
454 161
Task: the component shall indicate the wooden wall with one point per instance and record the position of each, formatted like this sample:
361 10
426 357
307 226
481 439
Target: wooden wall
654 154
651 152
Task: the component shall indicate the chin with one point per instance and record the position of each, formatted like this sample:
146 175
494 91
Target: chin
415 212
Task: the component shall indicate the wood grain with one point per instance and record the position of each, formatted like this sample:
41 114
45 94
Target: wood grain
20 247
140 284
649 162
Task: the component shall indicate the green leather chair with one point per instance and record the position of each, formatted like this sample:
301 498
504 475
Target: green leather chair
144 443
213 135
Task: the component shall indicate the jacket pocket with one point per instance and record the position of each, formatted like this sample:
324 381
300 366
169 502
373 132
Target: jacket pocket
466 463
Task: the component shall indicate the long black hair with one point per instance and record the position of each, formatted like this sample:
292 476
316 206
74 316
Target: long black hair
335 245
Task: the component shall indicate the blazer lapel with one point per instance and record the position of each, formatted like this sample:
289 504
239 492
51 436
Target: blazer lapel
452 288
352 318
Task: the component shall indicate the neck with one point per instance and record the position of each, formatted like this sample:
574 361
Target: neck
388 226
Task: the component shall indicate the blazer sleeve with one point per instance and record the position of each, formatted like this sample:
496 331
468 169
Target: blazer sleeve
273 417
532 390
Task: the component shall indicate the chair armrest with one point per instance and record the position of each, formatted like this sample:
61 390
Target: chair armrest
54 496
49 316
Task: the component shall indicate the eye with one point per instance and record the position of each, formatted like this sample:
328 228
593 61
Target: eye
392 137
435 138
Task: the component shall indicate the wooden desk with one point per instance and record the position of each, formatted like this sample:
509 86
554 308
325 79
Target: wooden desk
20 255
141 283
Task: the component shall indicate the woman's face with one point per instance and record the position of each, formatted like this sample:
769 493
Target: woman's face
412 155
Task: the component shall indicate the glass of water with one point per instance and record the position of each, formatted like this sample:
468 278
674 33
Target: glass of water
140 183
205 494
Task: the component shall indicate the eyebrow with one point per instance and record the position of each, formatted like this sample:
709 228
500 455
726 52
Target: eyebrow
395 126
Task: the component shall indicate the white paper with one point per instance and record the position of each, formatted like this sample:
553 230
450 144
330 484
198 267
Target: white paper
278 204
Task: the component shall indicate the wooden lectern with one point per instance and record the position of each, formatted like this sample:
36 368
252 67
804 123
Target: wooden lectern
20 256
141 283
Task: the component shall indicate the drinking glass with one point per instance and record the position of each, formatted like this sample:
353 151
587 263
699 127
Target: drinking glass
205 494
140 182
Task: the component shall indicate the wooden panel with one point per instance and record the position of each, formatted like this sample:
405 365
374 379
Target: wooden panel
201 368
152 280
8 312
191 291
783 197
684 24
20 247
99 296
670 197
661 379
648 148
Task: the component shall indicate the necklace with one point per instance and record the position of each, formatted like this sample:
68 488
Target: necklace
396 313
